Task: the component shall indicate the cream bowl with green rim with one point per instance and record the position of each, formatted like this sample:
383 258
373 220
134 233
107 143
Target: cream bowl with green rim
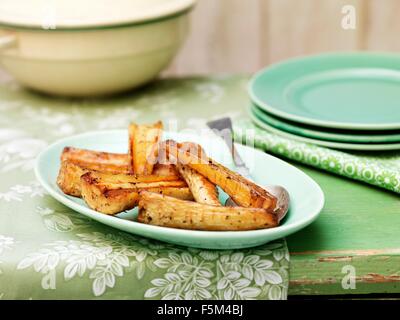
104 54
306 197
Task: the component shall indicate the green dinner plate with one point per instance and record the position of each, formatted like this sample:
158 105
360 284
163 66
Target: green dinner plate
343 90
325 143
306 197
325 133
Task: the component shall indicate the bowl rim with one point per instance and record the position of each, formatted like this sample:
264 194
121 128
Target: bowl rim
9 26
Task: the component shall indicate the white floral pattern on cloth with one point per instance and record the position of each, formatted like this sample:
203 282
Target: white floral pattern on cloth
382 171
61 221
226 275
18 191
6 243
102 257
18 150
186 273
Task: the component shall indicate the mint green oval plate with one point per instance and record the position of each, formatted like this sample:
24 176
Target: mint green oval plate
307 198
324 133
325 143
342 90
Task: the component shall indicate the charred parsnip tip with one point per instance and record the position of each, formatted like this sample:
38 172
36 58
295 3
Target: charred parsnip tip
70 173
203 190
143 147
111 198
165 211
242 191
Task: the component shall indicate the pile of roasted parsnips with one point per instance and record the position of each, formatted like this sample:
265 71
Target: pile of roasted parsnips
174 184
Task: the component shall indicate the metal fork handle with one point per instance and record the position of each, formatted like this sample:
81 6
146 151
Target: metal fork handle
225 131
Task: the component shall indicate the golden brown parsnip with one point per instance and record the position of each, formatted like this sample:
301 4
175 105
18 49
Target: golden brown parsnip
170 212
143 147
70 173
242 191
68 179
109 162
96 160
113 196
203 191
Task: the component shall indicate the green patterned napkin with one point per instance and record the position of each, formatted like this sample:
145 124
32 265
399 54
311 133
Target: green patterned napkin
380 169
47 251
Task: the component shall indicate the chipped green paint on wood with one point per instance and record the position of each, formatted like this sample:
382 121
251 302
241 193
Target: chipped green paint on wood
359 226
373 274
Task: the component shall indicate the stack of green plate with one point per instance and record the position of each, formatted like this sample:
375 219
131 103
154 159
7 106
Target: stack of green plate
344 101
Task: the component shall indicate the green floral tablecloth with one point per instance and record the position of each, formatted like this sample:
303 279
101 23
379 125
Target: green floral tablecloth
381 169
49 252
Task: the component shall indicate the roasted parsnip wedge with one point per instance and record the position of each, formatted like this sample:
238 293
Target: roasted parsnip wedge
109 162
242 191
68 179
70 173
170 212
96 160
113 194
203 191
143 146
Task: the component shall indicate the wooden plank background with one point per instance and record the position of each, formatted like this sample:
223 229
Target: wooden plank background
242 36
